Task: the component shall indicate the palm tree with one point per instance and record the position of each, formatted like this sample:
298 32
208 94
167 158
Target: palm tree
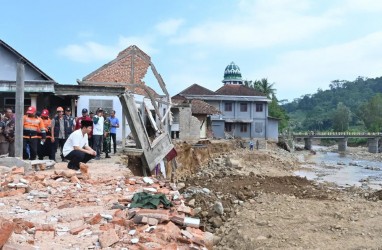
265 87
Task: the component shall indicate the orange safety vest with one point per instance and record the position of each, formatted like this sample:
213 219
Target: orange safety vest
32 126
48 128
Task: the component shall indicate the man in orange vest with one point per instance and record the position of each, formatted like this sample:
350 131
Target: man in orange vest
31 125
47 148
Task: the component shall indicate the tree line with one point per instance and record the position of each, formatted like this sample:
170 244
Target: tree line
345 106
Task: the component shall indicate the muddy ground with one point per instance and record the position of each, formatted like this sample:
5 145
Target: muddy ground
251 200
247 199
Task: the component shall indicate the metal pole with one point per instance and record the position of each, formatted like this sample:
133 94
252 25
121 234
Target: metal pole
19 110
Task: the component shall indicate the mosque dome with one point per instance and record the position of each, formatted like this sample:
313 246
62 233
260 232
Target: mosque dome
232 74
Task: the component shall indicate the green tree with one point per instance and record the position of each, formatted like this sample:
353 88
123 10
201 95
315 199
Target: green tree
265 87
341 118
371 113
275 110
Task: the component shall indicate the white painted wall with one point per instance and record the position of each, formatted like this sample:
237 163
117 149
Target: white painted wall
83 102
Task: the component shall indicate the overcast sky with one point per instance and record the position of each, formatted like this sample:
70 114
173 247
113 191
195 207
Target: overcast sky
300 45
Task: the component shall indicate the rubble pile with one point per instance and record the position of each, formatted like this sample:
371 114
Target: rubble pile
67 209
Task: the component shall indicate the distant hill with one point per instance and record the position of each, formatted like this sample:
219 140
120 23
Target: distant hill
316 111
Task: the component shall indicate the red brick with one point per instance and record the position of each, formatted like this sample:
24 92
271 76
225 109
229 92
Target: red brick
95 219
84 168
108 238
15 192
161 215
21 225
77 230
74 179
6 230
168 231
119 221
18 170
106 227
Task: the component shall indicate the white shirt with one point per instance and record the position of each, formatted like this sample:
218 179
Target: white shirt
75 139
98 128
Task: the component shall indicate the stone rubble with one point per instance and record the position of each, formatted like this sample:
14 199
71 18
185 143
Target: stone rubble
67 209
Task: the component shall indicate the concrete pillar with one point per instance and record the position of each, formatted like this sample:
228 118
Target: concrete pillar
33 99
373 145
308 143
73 106
342 144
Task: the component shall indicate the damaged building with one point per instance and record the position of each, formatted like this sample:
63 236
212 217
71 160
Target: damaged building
242 112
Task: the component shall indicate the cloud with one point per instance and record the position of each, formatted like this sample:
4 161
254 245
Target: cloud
260 24
169 27
92 51
304 71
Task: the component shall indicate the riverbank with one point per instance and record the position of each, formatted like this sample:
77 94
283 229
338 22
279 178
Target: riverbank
255 202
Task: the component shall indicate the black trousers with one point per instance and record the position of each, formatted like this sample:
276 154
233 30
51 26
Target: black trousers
32 142
47 149
59 143
113 137
77 156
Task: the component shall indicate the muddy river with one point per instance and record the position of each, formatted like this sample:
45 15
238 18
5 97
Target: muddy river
342 169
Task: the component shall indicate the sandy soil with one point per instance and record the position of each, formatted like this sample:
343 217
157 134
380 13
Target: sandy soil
267 208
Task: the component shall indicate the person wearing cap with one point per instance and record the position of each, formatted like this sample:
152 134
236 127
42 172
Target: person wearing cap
76 148
61 130
70 118
31 125
98 122
46 149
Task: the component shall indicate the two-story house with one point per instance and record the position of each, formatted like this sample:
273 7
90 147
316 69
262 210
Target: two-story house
243 110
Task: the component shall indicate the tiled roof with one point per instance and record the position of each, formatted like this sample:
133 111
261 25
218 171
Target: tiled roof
202 108
198 107
238 90
196 89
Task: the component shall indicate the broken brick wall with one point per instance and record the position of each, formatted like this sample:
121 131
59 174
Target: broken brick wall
189 126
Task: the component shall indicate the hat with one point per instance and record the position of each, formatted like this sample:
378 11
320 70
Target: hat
60 109
45 113
84 110
68 109
38 113
91 112
99 110
31 110
86 123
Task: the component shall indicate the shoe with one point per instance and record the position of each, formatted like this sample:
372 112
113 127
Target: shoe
107 156
97 158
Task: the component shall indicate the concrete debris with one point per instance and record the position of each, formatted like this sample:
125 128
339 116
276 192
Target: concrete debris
66 209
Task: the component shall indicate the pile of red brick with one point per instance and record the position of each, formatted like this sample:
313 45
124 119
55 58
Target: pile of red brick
102 215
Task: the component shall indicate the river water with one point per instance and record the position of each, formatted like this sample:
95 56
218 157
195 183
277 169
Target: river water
340 169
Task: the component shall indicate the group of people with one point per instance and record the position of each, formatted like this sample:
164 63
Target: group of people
43 136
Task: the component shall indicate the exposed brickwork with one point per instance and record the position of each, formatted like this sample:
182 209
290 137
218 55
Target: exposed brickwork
120 69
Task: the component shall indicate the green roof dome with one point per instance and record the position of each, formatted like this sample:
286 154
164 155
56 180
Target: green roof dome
232 74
